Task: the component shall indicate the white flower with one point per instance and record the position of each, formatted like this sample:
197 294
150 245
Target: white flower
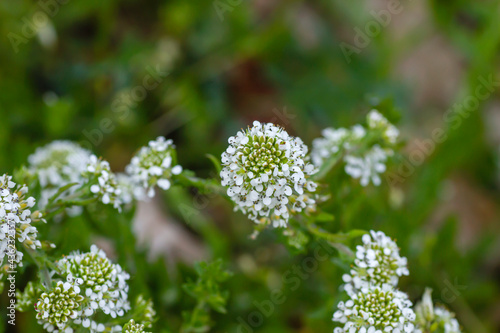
375 310
103 283
364 150
151 166
15 220
367 167
434 319
266 173
377 121
57 308
377 263
328 145
126 186
133 327
103 182
57 164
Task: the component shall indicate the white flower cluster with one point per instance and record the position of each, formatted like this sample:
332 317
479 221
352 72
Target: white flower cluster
375 305
434 319
103 283
365 150
151 166
377 263
103 182
15 220
376 310
57 164
377 121
267 174
57 308
93 286
367 167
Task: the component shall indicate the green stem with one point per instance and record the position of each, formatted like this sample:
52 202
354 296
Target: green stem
42 267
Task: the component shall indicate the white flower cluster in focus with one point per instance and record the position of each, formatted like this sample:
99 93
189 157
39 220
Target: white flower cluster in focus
377 263
375 305
376 310
15 221
58 307
151 166
57 164
267 174
434 319
103 182
365 150
103 283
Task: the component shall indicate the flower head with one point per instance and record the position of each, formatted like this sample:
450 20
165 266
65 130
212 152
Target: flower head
375 120
104 283
433 319
126 186
377 263
375 310
151 166
267 174
57 164
57 308
365 150
367 167
15 219
133 327
330 144
103 180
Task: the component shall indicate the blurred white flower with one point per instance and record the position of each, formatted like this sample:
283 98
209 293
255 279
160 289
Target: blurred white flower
103 182
365 150
375 120
434 319
267 174
57 164
367 167
328 145
133 327
151 166
126 186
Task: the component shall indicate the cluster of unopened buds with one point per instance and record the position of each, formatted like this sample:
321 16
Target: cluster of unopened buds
434 318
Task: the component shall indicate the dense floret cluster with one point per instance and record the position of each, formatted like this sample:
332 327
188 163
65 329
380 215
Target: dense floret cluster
15 221
267 174
153 165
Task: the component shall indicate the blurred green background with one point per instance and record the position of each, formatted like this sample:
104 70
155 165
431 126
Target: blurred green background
114 74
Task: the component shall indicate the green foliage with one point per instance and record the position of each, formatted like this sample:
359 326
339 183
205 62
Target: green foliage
207 291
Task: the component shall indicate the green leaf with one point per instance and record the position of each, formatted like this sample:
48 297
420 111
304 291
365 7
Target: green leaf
215 162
